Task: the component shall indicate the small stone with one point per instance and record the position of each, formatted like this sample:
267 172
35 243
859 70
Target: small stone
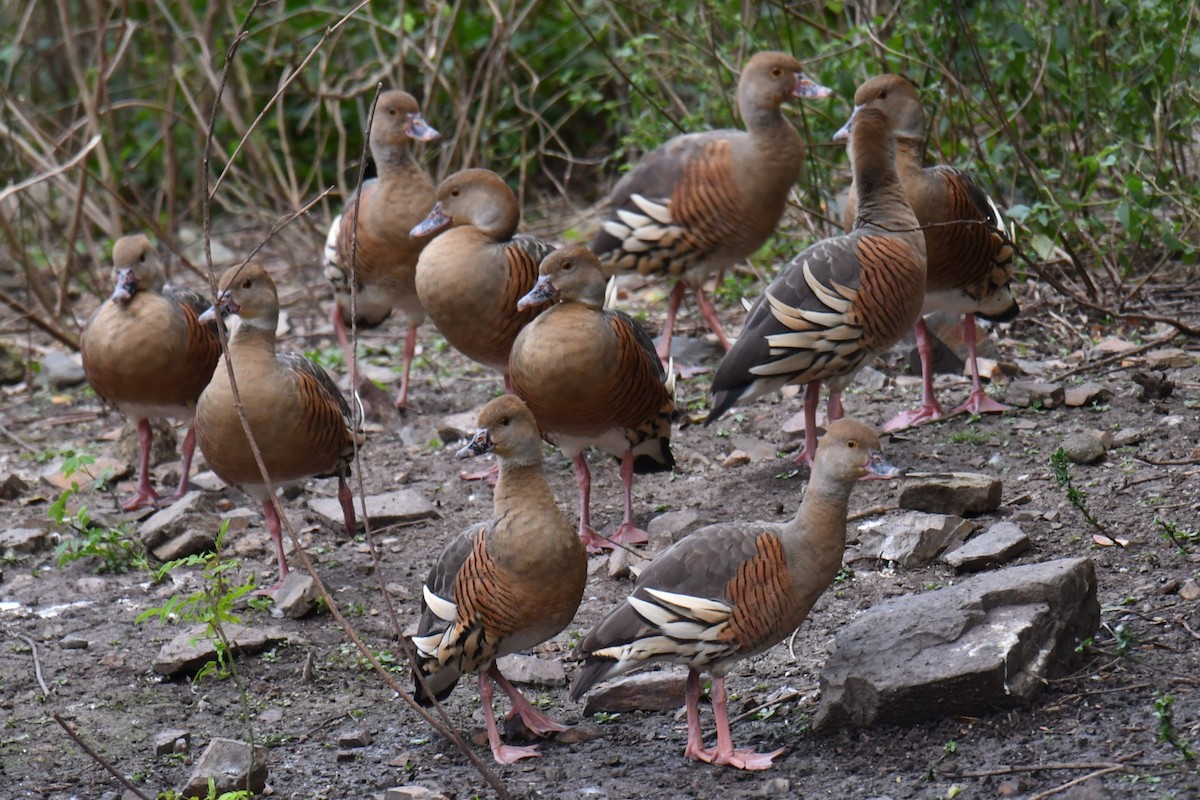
579 733
115 469
757 449
61 370
738 458
1112 346
532 671
998 544
74 641
414 792
670 527
457 427
170 521
1083 448
956 493
1166 358
297 595
775 787
356 737
1127 437
1028 394
240 519
230 765
13 487
12 362
914 539
194 647
192 541
659 690
870 379
618 563
390 508
346 755
207 480
1087 394
1190 590
173 740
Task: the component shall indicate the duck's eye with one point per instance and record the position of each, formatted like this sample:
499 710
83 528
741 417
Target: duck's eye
246 284
776 72
852 444
567 267
882 94
455 192
504 421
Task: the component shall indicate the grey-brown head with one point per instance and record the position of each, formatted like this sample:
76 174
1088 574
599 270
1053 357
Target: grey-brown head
249 292
849 451
398 119
136 266
569 273
508 429
476 197
771 79
895 97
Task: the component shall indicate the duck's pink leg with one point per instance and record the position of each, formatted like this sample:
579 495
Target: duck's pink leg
695 749
627 533
535 720
673 303
725 753
812 396
410 350
709 312
978 402
346 498
275 529
189 449
583 479
930 408
145 496
504 754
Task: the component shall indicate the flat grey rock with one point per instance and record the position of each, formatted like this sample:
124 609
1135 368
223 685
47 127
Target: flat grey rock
194 647
658 690
296 596
230 765
957 493
532 671
1087 394
402 505
61 370
988 643
24 540
173 740
671 526
455 427
1083 448
1000 543
913 539
1028 394
163 524
192 541
413 792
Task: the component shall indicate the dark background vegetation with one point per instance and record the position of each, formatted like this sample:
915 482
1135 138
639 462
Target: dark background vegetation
1079 117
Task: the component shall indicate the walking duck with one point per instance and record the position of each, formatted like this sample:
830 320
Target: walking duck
730 591
471 276
702 202
146 352
381 255
970 263
299 419
591 377
840 302
503 585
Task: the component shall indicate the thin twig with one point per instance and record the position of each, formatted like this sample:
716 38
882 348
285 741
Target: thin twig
99 759
42 176
37 664
17 439
1081 779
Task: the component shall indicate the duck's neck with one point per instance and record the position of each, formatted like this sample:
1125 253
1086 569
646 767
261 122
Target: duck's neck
257 333
881 198
394 160
518 481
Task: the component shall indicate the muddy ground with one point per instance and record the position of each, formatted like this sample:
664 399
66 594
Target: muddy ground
1114 719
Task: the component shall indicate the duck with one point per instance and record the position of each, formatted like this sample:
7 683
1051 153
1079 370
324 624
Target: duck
838 303
503 585
146 352
470 277
970 264
379 252
591 376
701 202
300 421
730 591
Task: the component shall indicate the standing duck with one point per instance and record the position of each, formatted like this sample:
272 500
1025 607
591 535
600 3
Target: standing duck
381 255
702 202
591 377
470 278
299 419
840 302
146 351
970 263
730 591
504 585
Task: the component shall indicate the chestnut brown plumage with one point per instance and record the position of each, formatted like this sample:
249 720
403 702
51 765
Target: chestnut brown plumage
730 591
146 352
591 377
702 202
380 254
504 585
970 263
470 277
300 421
840 302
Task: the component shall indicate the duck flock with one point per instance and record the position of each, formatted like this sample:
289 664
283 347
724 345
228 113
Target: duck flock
580 374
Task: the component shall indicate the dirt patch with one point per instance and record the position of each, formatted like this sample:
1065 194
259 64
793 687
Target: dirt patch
1138 681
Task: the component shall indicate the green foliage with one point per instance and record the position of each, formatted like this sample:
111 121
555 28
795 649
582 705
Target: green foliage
1061 465
1178 536
1164 712
115 549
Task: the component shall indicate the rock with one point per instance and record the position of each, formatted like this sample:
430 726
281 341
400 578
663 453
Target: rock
194 647
1083 448
1127 437
414 792
456 427
775 787
173 740
74 641
239 519
13 487
402 505
12 362
957 493
871 379
61 370
170 521
1166 358
1113 345
659 690
618 563
356 737
24 540
1190 590
230 765
1087 394
913 539
670 527
83 478
756 449
207 480
738 458
1000 543
192 541
296 596
164 445
533 671
990 642
1028 394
